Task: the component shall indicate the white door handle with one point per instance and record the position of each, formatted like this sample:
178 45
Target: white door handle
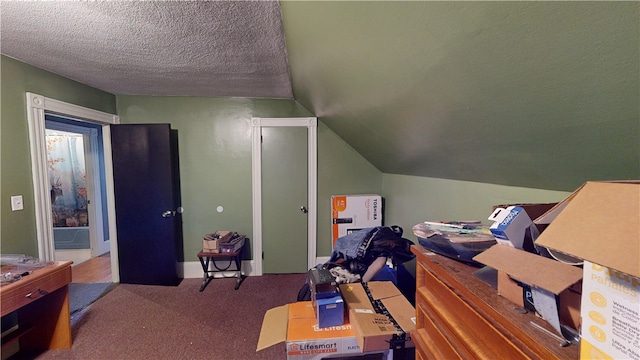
170 213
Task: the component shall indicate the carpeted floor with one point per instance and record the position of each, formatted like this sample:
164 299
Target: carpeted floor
167 322
82 295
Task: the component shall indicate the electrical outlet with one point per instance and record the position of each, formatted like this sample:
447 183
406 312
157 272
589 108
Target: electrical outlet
16 203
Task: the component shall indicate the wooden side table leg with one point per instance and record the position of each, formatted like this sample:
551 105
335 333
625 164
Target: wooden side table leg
205 277
239 276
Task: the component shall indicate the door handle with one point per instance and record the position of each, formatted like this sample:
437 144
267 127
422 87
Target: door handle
303 209
170 213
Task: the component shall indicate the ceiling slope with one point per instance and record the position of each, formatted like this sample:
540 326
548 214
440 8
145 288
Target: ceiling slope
533 94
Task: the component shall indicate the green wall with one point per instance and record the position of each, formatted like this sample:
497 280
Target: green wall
18 228
214 137
215 163
413 199
341 171
215 155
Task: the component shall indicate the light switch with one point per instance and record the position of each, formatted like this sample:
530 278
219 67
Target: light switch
16 203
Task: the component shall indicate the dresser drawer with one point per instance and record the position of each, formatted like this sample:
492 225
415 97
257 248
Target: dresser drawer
458 316
26 290
464 329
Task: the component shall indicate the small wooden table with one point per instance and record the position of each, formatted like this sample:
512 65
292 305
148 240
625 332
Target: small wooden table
41 300
207 258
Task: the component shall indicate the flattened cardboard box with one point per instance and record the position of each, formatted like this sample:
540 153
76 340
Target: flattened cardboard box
600 223
296 325
538 272
375 331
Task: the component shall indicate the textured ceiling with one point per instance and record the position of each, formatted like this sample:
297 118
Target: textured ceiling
192 48
524 93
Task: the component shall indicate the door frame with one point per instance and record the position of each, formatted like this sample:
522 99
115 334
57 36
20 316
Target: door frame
92 171
311 123
37 106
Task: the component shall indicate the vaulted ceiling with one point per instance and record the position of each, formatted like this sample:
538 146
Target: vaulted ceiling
533 94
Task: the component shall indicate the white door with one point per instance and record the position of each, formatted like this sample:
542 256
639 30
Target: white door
311 204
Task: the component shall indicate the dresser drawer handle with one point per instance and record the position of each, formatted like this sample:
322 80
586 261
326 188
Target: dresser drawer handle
38 291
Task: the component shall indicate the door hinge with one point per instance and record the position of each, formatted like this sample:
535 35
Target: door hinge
263 255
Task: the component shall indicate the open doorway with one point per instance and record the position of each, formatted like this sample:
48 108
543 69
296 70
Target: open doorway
75 165
38 109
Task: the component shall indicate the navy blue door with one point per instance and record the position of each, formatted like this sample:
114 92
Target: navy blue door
148 227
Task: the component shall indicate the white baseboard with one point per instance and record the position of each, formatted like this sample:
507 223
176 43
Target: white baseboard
193 269
77 256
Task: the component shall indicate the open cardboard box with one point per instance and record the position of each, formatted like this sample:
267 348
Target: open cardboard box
517 267
600 224
211 242
296 325
375 331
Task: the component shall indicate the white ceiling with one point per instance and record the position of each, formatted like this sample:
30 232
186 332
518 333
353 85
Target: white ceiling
182 48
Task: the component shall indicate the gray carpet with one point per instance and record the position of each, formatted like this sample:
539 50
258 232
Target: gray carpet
82 295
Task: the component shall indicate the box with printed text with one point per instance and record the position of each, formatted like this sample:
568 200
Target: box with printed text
380 315
296 325
600 224
354 212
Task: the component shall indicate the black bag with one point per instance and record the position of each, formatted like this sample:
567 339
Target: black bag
304 294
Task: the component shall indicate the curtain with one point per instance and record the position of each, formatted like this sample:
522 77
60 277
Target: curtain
67 177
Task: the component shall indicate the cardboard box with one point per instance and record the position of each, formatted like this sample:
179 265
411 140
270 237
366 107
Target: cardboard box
211 242
513 227
210 245
354 212
534 210
611 314
374 330
600 224
326 299
555 285
329 311
295 325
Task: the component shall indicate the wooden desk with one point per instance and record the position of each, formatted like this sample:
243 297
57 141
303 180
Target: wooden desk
460 316
207 258
41 300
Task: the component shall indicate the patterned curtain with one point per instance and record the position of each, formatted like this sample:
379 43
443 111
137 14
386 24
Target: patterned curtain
67 176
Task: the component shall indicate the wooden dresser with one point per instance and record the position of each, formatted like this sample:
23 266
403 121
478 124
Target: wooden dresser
40 302
459 316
